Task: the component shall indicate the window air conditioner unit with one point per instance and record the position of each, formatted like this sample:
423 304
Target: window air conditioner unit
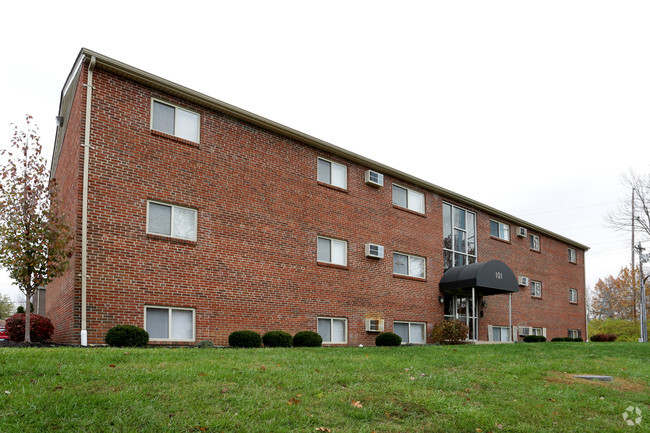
374 325
525 330
374 179
374 251
522 232
523 281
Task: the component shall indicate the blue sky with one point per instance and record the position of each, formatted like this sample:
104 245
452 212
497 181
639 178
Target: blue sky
534 108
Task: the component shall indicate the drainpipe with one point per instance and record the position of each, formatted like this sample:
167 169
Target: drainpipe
84 203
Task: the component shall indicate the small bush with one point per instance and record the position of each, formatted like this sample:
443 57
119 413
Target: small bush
578 340
245 339
277 339
534 339
388 339
205 344
126 336
307 339
603 337
449 331
41 328
562 339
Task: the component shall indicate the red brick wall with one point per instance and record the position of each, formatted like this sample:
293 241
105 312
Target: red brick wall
260 210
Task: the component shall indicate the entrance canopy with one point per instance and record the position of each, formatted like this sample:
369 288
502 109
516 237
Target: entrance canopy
488 278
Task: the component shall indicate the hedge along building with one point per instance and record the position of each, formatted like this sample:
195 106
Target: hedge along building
195 218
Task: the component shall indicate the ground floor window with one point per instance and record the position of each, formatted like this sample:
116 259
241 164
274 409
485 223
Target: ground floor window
574 333
169 323
333 330
536 331
411 332
500 333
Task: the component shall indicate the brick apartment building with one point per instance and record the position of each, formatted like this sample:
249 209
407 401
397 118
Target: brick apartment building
194 218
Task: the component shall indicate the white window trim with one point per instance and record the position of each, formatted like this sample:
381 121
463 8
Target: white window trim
332 240
502 328
424 325
409 265
177 107
345 321
573 256
453 246
574 333
500 224
538 331
332 164
171 231
571 292
169 330
424 199
533 284
539 242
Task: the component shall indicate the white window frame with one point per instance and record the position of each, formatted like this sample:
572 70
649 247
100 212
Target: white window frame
169 330
403 322
410 194
408 265
332 240
535 288
331 319
574 333
536 242
573 296
176 108
470 237
573 256
171 229
503 228
332 164
501 330
537 331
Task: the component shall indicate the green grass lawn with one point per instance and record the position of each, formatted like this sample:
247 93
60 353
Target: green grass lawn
470 388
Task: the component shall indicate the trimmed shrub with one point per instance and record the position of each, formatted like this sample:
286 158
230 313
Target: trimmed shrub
245 339
562 339
307 339
41 328
578 340
534 339
603 337
277 339
388 339
449 331
126 336
205 344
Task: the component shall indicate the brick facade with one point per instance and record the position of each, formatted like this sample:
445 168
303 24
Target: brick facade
260 210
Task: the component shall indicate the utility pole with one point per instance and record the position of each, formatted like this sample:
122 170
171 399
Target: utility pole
644 327
633 274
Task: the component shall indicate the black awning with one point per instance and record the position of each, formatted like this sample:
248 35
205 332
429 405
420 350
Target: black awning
488 278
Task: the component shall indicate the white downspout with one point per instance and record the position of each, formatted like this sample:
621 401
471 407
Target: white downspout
84 202
512 337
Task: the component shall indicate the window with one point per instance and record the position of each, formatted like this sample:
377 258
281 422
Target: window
536 289
459 236
166 323
574 333
536 331
332 251
534 243
333 331
499 230
173 221
573 296
500 333
406 264
407 198
175 121
572 255
332 173
411 332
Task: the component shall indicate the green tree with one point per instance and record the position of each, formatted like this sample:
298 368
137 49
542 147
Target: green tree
6 307
34 236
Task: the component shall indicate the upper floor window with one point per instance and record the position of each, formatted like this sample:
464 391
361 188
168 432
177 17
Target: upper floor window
572 255
332 173
332 251
169 220
536 289
573 296
175 121
534 242
408 198
499 230
459 236
406 264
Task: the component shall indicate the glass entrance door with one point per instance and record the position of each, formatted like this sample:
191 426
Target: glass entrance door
463 308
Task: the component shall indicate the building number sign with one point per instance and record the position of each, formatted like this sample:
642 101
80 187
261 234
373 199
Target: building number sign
498 275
